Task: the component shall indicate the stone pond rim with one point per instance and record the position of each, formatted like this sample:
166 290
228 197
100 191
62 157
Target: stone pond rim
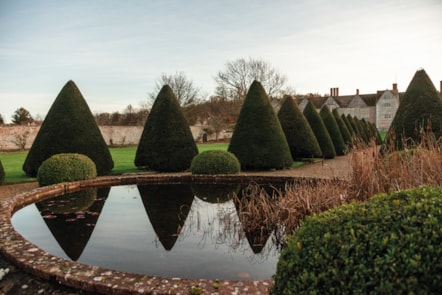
96 279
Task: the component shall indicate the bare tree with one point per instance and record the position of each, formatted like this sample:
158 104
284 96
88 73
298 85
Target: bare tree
183 88
20 140
235 80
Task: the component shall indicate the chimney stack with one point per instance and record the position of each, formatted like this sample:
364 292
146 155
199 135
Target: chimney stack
357 91
337 91
394 86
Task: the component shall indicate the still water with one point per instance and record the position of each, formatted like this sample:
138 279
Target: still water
159 230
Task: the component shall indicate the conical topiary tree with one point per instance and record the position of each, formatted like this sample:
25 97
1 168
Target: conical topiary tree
300 137
333 130
69 127
321 133
166 144
356 132
420 112
346 135
258 140
349 126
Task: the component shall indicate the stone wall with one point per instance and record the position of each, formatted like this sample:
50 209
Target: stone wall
18 137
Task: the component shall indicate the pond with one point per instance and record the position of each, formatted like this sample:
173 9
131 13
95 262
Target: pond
174 230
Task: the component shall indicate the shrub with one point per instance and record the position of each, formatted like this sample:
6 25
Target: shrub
215 162
349 126
166 144
300 137
321 133
346 135
69 127
2 173
258 140
388 245
420 111
333 130
65 168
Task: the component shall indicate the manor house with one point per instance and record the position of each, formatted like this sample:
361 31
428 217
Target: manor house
378 108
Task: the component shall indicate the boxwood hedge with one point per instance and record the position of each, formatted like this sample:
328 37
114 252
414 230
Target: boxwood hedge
215 162
66 167
389 245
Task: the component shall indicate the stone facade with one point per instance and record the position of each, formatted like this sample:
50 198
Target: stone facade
378 108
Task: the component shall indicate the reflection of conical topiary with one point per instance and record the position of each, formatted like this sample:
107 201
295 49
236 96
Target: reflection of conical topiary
167 207
167 143
333 130
258 140
420 111
321 133
72 227
346 135
69 127
300 137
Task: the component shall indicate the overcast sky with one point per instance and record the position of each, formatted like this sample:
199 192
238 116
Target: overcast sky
115 51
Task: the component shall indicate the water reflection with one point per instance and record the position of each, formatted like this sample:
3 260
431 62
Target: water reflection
188 232
71 218
167 207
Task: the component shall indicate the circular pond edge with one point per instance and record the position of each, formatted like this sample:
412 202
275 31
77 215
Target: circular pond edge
89 278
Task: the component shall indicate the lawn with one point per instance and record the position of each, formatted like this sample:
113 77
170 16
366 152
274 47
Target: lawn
123 161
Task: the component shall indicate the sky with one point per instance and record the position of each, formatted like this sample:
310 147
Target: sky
116 51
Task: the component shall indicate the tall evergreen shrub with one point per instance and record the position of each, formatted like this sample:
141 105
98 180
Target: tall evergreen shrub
321 133
420 111
346 135
348 124
300 137
333 130
69 127
166 144
258 140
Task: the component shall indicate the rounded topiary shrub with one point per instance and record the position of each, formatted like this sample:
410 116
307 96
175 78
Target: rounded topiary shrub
215 162
388 245
65 168
2 173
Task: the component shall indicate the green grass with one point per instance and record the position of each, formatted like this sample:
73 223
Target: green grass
123 161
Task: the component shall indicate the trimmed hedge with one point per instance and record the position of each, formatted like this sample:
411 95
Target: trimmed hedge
65 168
420 107
333 130
389 245
321 133
69 127
258 140
215 162
2 173
300 137
346 135
166 144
